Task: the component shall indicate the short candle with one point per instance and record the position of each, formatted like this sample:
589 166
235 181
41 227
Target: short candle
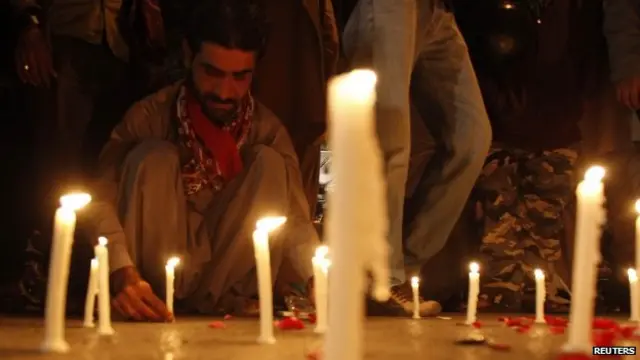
633 293
170 271
415 287
474 291
541 294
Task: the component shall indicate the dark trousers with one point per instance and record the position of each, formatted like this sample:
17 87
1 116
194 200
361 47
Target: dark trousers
73 118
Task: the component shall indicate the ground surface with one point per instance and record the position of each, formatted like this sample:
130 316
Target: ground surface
191 338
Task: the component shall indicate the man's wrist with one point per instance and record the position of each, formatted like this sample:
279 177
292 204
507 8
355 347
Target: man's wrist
28 18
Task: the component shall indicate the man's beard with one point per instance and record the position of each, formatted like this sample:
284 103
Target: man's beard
218 116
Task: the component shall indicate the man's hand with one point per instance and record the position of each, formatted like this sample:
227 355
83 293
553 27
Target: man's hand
135 299
628 92
34 63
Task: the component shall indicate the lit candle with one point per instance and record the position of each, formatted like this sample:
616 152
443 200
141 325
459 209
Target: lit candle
356 212
635 302
170 270
104 306
633 293
541 294
474 291
320 278
92 291
590 216
63 232
415 286
263 267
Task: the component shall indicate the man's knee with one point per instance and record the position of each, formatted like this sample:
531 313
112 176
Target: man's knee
154 155
474 147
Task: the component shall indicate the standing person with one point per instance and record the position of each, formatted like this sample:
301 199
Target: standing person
299 58
540 65
622 29
73 56
419 54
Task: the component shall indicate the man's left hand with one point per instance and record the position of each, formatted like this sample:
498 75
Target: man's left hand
628 92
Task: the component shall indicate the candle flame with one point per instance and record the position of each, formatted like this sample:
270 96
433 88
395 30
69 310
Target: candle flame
75 201
474 267
508 5
357 85
173 262
594 174
94 263
538 273
638 206
415 281
271 223
322 251
102 241
633 276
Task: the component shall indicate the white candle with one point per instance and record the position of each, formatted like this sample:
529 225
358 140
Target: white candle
356 216
635 301
541 294
415 286
590 216
633 294
92 291
170 270
474 291
320 278
263 267
104 306
63 232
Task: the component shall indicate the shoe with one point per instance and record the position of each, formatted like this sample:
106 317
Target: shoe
400 303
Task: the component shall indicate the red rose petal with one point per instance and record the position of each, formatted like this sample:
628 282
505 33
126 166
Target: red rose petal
503 319
314 355
217 325
602 323
512 322
500 347
312 318
556 321
227 317
523 328
627 331
290 323
477 324
603 337
556 330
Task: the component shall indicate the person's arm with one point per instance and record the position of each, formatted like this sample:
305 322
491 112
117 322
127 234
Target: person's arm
622 29
101 214
330 39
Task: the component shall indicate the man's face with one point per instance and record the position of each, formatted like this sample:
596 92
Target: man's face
221 78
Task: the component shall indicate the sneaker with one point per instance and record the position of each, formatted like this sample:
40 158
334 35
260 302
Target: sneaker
400 303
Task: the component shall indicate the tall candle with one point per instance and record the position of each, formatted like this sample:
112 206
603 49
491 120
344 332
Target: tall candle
92 291
474 291
170 270
415 286
263 266
633 295
590 216
541 294
104 306
320 278
635 304
63 232
356 216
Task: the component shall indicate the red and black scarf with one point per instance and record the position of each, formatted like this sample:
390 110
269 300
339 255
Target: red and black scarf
215 150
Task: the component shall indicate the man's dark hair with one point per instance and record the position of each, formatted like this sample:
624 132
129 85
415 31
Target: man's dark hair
234 24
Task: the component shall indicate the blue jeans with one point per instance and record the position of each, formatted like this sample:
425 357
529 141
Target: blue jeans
420 57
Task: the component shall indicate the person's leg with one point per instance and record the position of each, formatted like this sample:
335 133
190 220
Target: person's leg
445 91
548 188
261 190
502 211
381 34
157 219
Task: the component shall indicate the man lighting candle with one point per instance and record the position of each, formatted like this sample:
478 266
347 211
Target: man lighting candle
197 164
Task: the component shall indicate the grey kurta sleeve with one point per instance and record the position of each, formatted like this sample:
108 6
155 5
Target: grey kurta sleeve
101 214
622 29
